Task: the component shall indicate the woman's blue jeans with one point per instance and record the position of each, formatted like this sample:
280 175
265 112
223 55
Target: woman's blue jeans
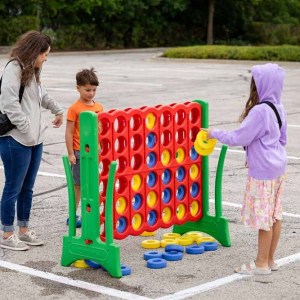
21 164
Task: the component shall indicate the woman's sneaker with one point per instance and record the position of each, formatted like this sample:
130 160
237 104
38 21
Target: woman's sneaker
13 243
30 238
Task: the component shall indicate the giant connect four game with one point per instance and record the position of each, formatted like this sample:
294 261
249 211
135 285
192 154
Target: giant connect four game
140 172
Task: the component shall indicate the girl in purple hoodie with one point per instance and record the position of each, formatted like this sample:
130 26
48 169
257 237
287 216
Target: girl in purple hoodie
263 136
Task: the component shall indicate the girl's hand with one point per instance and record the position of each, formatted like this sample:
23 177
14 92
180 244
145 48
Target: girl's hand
58 121
208 131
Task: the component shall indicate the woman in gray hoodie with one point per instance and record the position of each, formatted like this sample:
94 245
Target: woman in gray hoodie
21 148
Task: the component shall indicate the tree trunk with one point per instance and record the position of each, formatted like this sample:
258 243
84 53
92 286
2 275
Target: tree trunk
210 25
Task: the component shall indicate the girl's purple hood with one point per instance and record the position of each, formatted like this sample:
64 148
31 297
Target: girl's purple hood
269 80
259 131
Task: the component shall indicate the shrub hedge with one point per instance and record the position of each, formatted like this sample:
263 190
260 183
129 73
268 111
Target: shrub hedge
270 53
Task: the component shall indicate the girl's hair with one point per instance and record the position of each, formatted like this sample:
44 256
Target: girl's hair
252 101
26 50
87 76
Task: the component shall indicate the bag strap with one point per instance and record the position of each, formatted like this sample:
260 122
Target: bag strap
22 87
275 111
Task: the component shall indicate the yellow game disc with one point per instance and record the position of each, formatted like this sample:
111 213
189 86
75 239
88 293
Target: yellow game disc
171 236
151 244
203 239
165 242
165 157
148 233
150 121
80 264
184 240
166 214
194 208
136 182
180 211
194 171
180 155
121 205
201 151
151 199
136 221
194 235
201 140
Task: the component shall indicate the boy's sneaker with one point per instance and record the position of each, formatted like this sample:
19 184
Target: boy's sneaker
78 222
13 243
30 238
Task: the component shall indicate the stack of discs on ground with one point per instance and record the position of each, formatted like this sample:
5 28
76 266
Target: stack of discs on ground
175 245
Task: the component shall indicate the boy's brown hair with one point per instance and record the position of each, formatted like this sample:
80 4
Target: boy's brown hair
87 76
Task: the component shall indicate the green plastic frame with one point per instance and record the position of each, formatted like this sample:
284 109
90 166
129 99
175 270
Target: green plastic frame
89 245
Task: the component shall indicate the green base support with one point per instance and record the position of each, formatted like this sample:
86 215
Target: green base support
89 245
216 226
108 256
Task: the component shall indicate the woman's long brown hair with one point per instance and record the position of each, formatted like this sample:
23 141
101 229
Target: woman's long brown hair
26 50
252 101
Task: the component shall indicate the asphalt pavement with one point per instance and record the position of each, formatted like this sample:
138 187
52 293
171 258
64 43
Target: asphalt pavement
136 78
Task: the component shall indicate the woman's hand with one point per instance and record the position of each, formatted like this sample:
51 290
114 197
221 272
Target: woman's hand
58 121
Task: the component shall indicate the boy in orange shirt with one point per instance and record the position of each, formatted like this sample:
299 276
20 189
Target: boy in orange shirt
87 83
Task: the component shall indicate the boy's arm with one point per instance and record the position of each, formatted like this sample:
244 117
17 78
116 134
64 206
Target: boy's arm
69 141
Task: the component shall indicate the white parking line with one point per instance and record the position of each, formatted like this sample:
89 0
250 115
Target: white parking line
221 281
183 294
46 174
240 206
243 152
76 283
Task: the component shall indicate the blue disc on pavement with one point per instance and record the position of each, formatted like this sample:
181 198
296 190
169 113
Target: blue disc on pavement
156 263
210 246
126 270
92 264
195 249
173 255
152 254
174 247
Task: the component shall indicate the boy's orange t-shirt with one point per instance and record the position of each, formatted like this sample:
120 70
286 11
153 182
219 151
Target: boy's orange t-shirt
73 115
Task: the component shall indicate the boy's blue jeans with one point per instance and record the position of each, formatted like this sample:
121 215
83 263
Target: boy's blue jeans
21 164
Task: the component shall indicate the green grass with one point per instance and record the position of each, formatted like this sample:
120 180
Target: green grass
270 53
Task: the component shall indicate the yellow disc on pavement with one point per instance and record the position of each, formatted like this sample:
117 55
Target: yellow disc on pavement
193 234
165 242
184 240
80 264
171 235
148 233
151 244
203 239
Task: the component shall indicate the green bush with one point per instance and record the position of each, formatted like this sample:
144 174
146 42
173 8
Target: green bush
76 37
273 34
13 27
269 53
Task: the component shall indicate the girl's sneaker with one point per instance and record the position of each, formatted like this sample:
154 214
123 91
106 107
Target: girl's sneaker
29 238
13 243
